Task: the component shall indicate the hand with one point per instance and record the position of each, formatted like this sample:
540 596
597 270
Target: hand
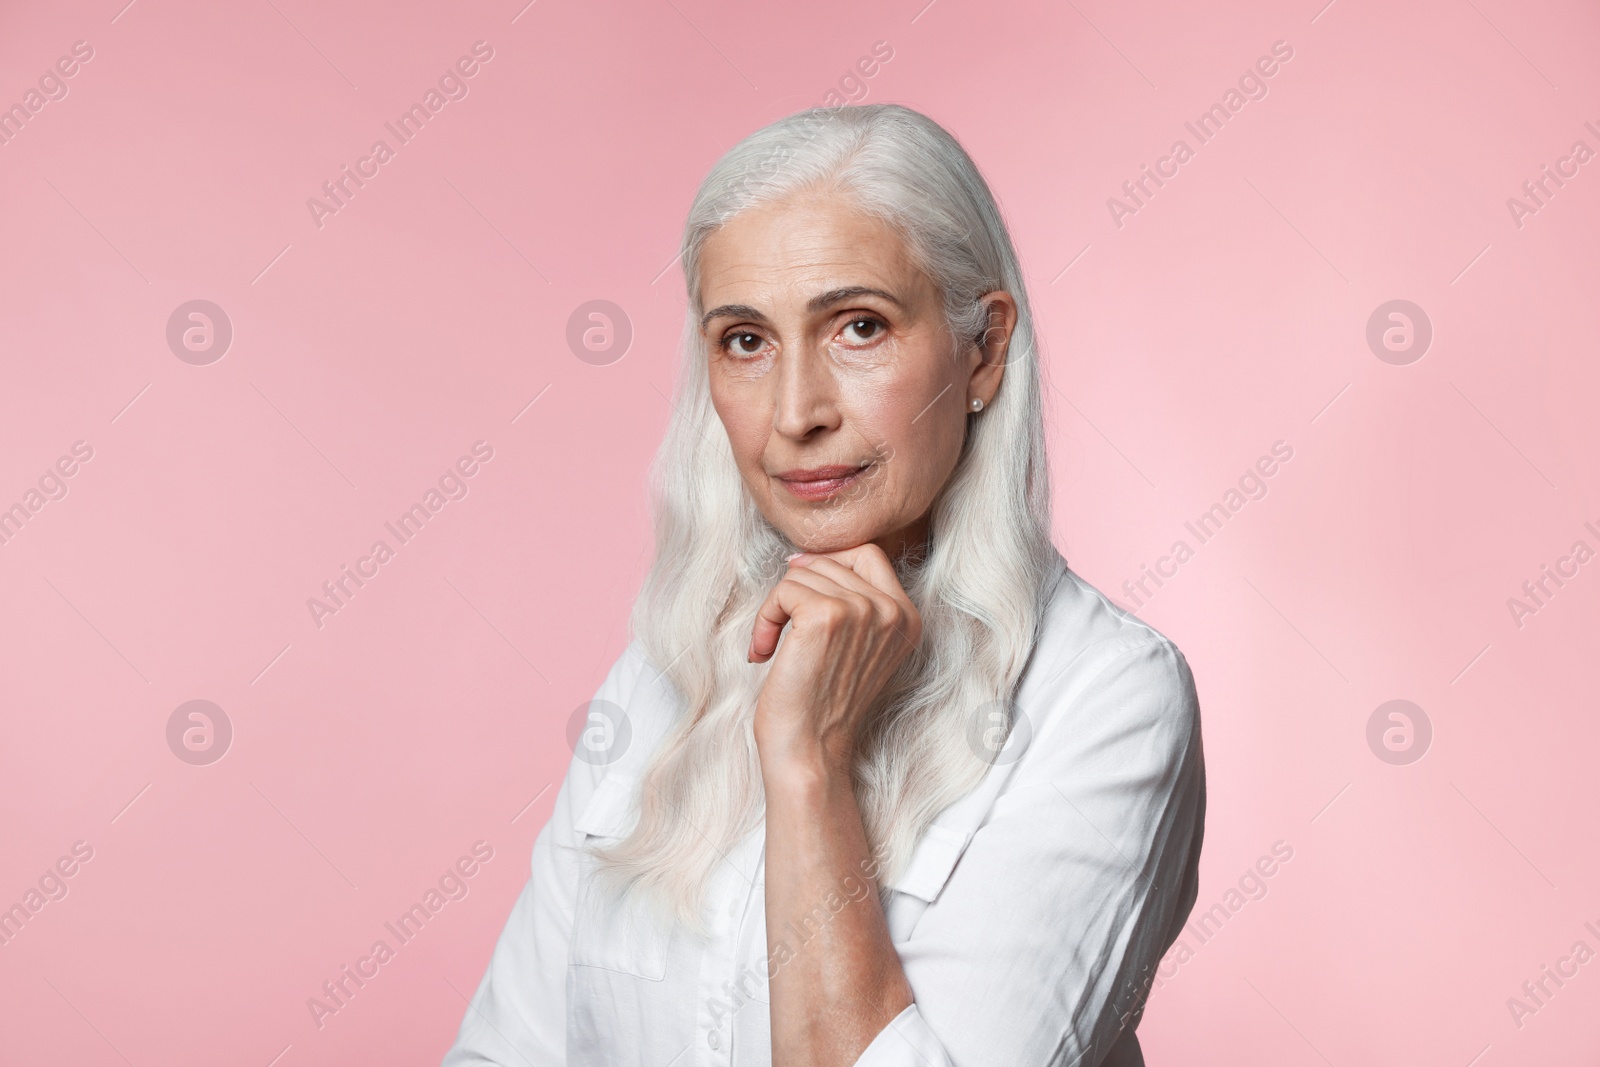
852 625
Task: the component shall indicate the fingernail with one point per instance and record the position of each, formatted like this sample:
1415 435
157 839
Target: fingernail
794 556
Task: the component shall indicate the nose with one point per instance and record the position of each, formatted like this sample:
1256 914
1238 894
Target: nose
807 394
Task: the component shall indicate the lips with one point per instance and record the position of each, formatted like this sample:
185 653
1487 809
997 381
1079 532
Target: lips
820 483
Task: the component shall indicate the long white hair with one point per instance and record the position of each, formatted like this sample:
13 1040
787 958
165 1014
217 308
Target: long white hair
980 583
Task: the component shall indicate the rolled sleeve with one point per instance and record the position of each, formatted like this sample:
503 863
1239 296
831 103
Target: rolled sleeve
905 1042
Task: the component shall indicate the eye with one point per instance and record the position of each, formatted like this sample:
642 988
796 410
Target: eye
742 343
863 329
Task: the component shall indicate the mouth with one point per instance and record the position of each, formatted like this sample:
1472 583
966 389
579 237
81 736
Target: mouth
820 483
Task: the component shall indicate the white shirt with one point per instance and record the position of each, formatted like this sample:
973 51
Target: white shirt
1029 921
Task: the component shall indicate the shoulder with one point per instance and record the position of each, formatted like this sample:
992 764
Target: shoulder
1103 683
1082 627
637 703
611 737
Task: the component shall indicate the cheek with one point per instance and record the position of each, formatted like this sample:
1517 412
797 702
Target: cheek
914 415
919 450
923 467
746 424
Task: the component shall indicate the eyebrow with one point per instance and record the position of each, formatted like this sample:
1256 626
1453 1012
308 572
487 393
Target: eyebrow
817 303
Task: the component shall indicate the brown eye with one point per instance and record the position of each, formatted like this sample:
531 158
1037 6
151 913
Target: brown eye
742 344
864 329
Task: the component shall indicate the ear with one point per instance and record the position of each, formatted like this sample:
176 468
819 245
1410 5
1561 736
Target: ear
988 352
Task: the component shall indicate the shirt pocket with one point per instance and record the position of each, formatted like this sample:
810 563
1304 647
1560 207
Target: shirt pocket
605 934
924 877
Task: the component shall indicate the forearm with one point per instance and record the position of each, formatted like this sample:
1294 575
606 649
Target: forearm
835 979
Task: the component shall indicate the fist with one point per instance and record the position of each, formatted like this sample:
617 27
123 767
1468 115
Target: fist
851 626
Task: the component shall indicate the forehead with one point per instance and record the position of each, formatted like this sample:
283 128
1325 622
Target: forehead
800 246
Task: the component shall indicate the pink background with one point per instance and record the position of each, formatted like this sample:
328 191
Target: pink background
429 713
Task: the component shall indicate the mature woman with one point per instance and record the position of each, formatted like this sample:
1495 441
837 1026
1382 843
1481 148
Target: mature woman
918 794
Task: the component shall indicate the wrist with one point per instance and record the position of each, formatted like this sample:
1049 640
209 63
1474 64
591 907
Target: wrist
794 758
806 778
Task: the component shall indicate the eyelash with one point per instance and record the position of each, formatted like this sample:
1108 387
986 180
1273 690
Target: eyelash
728 338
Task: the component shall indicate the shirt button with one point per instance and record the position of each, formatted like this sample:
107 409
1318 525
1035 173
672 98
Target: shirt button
733 908
714 1039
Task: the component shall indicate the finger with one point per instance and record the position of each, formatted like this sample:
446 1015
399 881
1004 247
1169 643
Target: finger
771 617
786 598
870 563
895 607
845 578
830 585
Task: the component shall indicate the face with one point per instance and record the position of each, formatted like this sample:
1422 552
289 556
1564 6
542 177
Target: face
843 393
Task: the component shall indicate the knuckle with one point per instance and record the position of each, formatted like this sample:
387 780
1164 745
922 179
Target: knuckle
910 623
833 612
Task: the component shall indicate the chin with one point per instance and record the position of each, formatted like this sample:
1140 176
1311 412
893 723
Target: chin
811 537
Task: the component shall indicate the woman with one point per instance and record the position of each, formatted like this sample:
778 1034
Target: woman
917 795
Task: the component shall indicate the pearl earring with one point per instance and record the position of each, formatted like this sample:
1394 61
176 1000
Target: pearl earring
977 403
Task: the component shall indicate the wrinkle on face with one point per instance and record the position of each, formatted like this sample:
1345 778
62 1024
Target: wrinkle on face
866 378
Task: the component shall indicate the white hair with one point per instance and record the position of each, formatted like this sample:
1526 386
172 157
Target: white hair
980 583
